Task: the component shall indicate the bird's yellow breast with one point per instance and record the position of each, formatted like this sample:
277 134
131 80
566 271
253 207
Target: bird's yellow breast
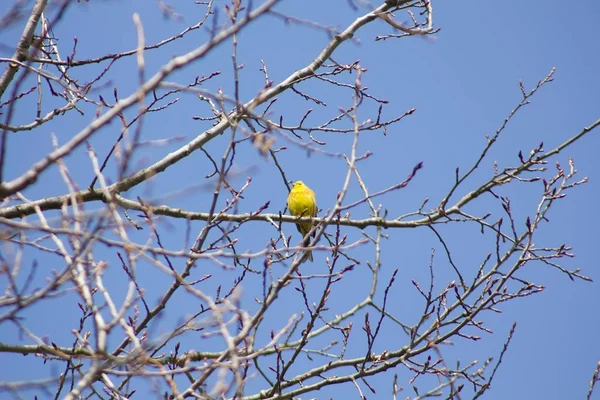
301 201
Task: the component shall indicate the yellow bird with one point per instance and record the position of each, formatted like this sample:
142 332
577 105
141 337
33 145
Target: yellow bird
302 203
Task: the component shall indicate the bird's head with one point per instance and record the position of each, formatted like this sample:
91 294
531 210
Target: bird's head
298 184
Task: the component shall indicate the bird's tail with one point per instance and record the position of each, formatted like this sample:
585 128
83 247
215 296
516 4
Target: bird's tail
309 257
308 252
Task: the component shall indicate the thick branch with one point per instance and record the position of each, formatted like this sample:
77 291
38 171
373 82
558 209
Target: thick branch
22 51
32 174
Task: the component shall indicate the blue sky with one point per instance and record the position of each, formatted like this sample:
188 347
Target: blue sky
462 82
